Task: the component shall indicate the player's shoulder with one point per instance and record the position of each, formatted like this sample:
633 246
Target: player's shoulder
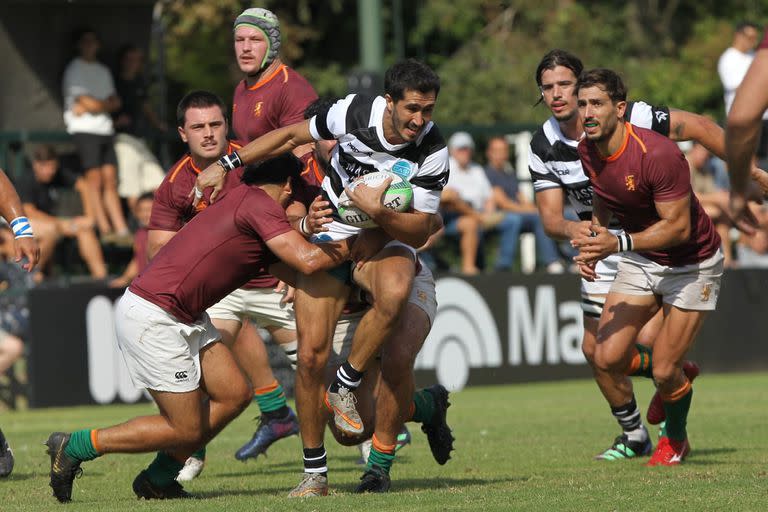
296 79
654 144
432 141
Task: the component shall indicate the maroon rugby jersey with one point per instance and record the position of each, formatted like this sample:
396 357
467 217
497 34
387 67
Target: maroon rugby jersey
275 101
764 44
214 255
649 167
140 248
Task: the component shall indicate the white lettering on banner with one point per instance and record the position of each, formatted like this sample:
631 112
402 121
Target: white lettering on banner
107 374
534 334
463 336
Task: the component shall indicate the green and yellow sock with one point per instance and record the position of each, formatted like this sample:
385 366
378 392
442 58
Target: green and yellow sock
677 405
381 455
163 470
83 445
199 454
271 399
642 362
423 406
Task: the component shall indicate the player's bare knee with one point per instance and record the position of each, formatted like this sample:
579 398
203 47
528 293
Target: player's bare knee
665 374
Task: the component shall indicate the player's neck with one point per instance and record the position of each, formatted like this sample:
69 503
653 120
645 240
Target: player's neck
272 190
612 144
572 128
203 163
251 80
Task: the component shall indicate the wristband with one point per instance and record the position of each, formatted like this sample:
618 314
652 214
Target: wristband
625 242
230 161
303 226
22 228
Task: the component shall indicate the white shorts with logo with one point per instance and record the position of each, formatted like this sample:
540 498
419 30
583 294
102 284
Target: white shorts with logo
593 292
262 305
161 353
422 296
694 286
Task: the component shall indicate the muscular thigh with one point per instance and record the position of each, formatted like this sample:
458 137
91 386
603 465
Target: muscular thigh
623 317
393 266
221 377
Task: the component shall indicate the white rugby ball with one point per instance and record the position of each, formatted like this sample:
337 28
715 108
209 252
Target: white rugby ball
398 197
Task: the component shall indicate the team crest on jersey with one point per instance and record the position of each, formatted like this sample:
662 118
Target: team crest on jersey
257 109
630 181
402 168
660 116
706 292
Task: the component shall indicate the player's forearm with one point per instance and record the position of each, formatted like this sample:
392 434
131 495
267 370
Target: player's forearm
10 204
91 104
662 235
323 256
411 229
275 143
688 126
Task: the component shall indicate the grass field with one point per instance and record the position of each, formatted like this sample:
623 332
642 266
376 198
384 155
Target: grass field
523 447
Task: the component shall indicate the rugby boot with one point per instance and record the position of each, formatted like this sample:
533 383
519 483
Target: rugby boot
438 432
268 431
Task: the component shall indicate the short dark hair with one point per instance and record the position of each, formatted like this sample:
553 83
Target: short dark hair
317 107
410 74
198 99
79 32
275 171
44 153
741 25
558 57
607 80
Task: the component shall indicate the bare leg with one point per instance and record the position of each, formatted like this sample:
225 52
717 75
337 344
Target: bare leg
93 181
469 229
11 349
89 247
111 199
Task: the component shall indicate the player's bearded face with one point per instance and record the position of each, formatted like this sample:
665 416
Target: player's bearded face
558 92
250 48
599 114
408 116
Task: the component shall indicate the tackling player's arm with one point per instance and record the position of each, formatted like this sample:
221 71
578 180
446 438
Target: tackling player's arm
550 204
11 209
269 145
306 257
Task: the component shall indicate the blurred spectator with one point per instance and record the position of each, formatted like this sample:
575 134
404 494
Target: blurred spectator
14 314
138 168
713 199
142 210
465 198
89 98
732 67
44 193
521 214
752 251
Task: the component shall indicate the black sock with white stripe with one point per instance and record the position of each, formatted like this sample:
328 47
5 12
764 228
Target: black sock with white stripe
347 377
631 421
315 460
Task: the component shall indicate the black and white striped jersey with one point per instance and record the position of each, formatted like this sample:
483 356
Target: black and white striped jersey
553 158
356 123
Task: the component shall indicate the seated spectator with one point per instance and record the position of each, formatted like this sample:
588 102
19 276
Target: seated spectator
710 195
142 210
89 99
138 168
465 199
752 251
522 216
42 192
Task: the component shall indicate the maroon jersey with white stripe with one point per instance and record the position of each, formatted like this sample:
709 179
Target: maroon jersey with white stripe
275 101
213 255
649 168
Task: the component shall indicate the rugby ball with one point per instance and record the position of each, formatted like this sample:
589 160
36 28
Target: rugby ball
398 197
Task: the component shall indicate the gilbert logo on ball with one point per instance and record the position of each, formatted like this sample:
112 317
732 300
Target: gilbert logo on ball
398 197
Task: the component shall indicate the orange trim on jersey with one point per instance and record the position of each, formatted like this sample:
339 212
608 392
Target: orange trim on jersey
270 77
624 144
95 440
634 135
266 389
313 166
235 145
180 166
678 393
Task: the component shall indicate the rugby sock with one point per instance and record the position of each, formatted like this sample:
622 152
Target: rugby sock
82 445
315 460
290 350
381 455
630 419
423 406
271 400
347 377
163 471
677 405
642 362
199 454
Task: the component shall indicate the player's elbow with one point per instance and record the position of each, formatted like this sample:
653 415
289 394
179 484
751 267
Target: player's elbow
682 232
741 119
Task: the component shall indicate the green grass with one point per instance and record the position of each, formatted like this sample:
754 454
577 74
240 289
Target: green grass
523 447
